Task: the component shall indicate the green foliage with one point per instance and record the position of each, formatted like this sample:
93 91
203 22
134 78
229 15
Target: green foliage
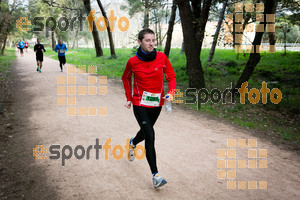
209 109
292 32
231 63
286 136
244 123
6 62
233 71
134 50
289 25
136 6
213 72
294 18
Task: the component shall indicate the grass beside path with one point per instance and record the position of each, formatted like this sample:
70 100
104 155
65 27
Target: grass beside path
109 67
5 63
281 121
5 76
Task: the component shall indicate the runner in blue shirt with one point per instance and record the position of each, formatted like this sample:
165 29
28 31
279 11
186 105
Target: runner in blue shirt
21 45
61 48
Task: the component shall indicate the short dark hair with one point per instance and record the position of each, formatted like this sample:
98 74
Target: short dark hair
143 32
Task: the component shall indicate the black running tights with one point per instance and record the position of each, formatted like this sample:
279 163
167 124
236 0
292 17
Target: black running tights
146 118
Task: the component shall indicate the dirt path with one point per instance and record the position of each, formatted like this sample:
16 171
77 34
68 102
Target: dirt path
186 147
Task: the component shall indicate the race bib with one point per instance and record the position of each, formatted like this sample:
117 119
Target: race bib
150 99
61 51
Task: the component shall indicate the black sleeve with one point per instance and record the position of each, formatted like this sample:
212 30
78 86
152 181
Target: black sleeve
43 48
35 47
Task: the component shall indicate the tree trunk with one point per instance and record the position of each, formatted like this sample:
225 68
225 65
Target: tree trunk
233 32
284 36
192 50
4 43
159 33
202 23
146 17
170 29
111 41
182 50
75 39
270 8
5 24
272 38
155 25
247 18
97 43
53 40
213 46
99 51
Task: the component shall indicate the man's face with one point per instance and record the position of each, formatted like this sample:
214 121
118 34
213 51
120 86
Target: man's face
38 41
59 42
148 43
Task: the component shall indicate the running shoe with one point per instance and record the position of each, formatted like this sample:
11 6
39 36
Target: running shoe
61 70
40 70
131 150
158 181
37 69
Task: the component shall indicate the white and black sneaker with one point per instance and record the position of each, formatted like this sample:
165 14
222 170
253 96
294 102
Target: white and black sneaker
158 181
131 150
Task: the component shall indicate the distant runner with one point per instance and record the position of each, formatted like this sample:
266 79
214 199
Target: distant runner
61 48
21 47
39 49
26 47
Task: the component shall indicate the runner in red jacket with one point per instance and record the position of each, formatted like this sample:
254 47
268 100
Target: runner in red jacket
26 47
149 77
149 68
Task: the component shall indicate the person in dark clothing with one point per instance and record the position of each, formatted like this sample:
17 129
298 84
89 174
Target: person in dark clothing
39 49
